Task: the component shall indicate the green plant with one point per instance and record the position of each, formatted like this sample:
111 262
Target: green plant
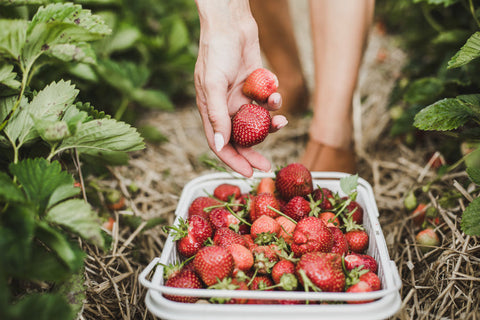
41 212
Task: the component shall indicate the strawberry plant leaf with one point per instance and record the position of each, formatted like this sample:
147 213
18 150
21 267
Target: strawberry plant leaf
469 52
12 37
443 115
445 3
81 52
424 90
77 216
9 191
474 174
471 218
39 179
62 193
349 184
41 306
8 77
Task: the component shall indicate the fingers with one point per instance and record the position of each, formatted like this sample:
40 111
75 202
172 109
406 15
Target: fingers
278 122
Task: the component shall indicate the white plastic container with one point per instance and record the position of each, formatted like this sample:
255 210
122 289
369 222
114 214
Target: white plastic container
387 301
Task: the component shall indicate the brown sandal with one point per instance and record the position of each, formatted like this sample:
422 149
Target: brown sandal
321 157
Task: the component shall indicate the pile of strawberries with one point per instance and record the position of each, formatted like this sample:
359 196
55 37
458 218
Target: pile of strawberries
285 234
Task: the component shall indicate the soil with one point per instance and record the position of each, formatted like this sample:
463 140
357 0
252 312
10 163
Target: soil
440 284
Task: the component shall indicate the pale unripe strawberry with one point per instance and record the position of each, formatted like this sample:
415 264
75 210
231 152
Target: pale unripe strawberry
250 125
260 84
427 239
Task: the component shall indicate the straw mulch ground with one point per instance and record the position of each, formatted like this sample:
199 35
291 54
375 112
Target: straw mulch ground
442 284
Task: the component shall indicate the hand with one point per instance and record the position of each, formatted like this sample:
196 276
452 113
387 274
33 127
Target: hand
228 52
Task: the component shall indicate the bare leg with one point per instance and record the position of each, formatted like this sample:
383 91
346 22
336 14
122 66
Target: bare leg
277 41
339 31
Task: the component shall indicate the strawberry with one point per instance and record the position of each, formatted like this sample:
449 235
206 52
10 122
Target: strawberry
221 217
354 210
184 279
321 271
261 282
427 239
340 244
242 257
260 84
355 260
264 224
280 268
249 241
311 234
226 192
286 229
418 215
297 208
329 218
372 279
325 196
265 257
190 235
266 185
199 204
213 263
357 240
262 204
229 284
225 237
293 180
250 125
360 286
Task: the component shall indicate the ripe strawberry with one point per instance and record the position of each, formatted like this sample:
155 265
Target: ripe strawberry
225 237
226 192
311 234
260 84
265 257
418 215
372 279
293 180
357 240
266 185
340 244
190 235
325 196
264 224
250 125
360 286
242 258
427 239
280 268
355 260
319 270
354 210
250 242
221 218
261 206
213 263
184 279
329 218
198 205
286 229
261 282
297 208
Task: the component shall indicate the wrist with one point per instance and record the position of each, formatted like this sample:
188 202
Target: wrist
221 16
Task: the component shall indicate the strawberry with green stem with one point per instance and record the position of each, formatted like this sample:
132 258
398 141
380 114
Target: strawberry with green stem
250 125
319 271
213 263
190 234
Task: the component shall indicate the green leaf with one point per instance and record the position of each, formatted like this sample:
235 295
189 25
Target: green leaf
62 193
42 306
445 3
451 36
74 290
6 106
474 174
9 191
178 37
349 183
103 136
77 216
469 51
81 52
12 38
8 77
52 131
443 115
39 179
471 218
153 99
424 90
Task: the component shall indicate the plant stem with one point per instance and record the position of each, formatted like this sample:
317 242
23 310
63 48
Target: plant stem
472 11
20 95
431 21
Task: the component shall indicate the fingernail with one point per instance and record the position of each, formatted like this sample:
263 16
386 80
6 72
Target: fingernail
219 142
276 99
282 124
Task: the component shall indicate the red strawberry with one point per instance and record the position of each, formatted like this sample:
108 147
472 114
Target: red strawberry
293 180
250 242
250 125
280 268
286 229
264 224
321 271
198 205
372 279
213 263
360 286
323 195
190 235
427 239
357 240
266 185
340 244
221 217
311 234
297 208
355 260
329 218
261 282
260 84
225 237
226 192
354 210
242 257
184 279
261 205
265 257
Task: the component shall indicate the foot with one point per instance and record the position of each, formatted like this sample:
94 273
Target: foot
321 157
